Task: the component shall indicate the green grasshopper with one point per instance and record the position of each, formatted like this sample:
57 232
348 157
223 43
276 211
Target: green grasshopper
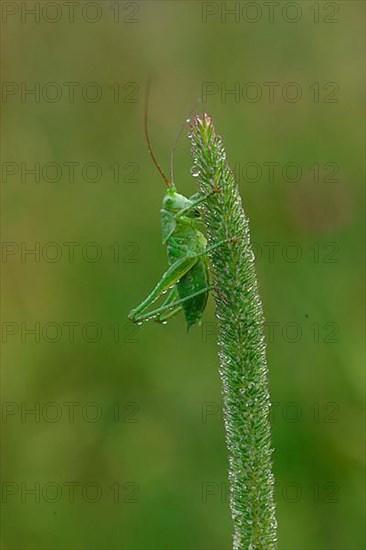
187 279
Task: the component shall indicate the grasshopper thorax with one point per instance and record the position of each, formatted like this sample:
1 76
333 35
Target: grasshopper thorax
174 202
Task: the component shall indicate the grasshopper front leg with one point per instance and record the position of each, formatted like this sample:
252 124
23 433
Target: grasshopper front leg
196 200
169 279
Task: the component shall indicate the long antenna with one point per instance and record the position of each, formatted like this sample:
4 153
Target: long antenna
168 183
198 100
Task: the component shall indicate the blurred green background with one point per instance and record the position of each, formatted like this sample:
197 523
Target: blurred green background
125 449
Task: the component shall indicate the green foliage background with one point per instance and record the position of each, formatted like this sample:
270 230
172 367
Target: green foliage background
169 376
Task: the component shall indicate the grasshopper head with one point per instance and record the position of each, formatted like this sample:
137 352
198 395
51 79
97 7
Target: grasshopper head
174 202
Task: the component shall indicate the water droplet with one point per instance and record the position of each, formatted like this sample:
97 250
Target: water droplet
164 322
188 120
139 323
195 171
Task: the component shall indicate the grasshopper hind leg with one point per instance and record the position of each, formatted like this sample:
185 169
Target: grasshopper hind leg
164 316
168 280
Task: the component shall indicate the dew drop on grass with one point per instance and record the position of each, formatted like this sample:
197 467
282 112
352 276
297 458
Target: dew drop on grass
195 171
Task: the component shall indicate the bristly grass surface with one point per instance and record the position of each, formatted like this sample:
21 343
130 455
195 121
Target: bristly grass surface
242 355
